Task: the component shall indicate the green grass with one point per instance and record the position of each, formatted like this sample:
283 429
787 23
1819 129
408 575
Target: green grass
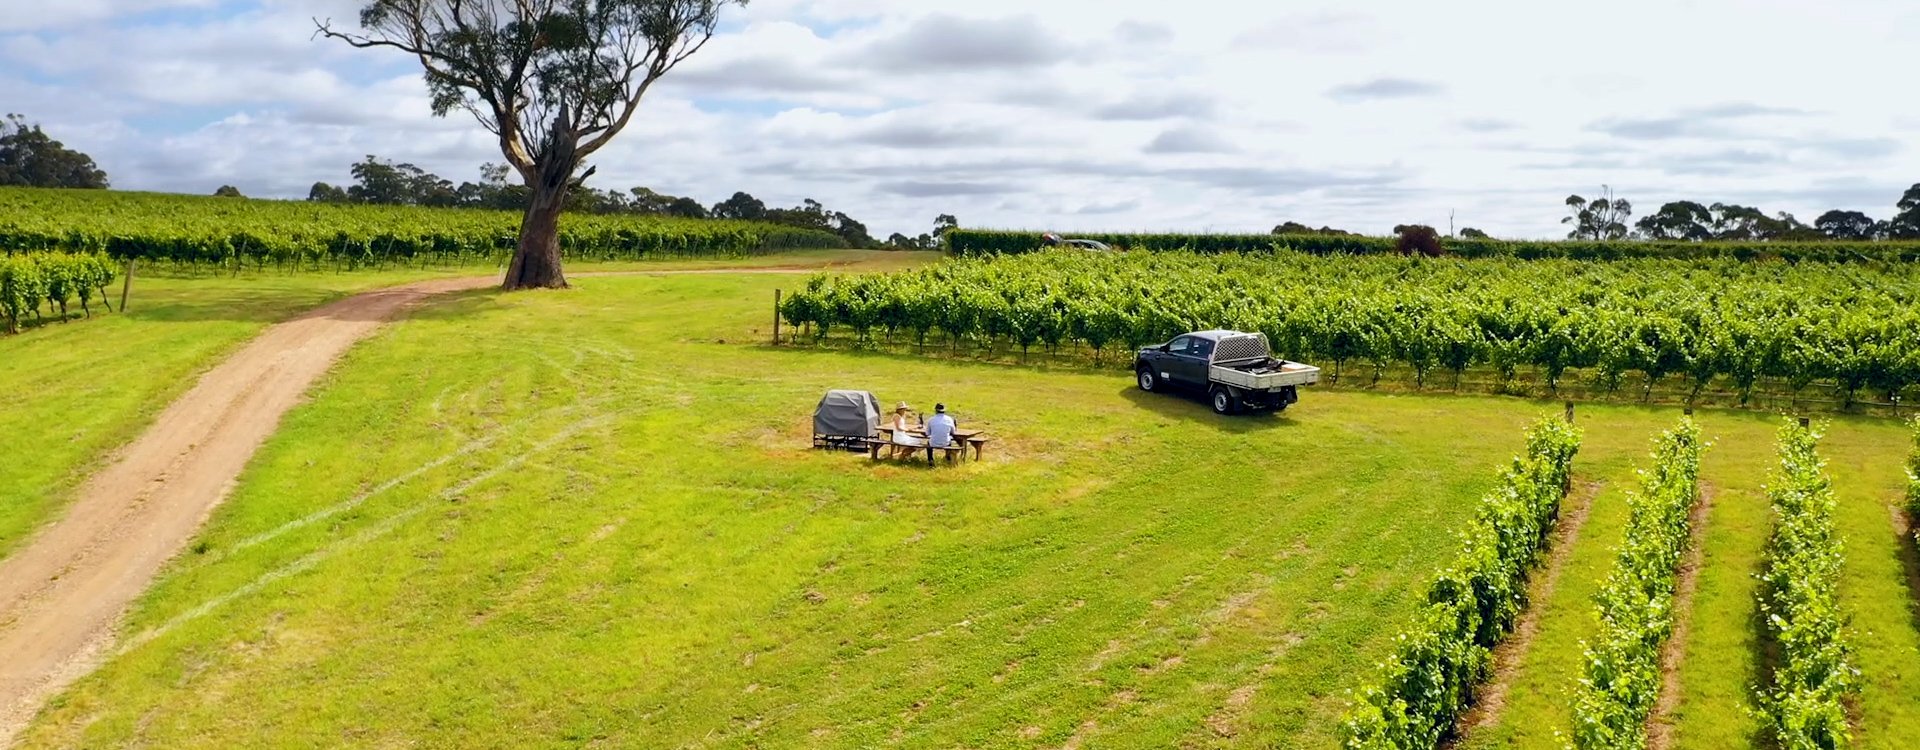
71 393
589 518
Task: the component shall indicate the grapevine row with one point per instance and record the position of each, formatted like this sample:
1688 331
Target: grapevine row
975 242
1429 678
1913 483
291 234
1800 603
1635 604
1856 326
29 281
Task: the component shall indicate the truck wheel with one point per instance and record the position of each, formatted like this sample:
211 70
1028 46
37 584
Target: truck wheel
1224 402
1149 382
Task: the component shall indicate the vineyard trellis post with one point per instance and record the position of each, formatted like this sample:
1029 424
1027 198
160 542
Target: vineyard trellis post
126 284
776 317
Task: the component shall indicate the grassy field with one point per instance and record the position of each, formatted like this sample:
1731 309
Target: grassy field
590 518
70 393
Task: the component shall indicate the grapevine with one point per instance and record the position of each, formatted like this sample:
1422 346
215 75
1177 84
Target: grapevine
1630 324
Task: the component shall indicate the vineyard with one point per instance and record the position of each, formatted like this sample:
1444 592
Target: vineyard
1430 677
977 242
1913 484
31 281
1716 325
1635 605
291 235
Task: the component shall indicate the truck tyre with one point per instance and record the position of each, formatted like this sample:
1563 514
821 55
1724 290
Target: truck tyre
1149 380
1223 400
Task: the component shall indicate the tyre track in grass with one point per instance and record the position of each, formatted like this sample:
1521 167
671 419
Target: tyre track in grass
1662 725
1512 650
63 591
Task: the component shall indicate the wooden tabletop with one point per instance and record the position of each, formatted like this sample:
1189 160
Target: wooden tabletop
922 431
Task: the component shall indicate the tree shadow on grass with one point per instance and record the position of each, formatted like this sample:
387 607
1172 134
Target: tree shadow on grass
234 305
448 305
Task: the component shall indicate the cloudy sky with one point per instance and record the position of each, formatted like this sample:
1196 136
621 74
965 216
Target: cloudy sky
1063 114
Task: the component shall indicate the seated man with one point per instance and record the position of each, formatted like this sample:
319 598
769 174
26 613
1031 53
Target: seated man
940 427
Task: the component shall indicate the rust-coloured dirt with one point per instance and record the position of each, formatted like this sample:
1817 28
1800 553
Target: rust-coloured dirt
62 593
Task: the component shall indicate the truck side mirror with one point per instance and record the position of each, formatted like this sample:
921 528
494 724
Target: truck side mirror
1165 348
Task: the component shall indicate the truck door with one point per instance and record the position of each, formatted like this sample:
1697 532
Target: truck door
1188 365
1200 361
1169 361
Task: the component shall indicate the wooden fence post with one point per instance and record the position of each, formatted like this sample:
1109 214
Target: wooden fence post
126 284
1569 412
776 317
1806 422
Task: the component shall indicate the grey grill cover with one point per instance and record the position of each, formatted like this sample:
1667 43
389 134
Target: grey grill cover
847 414
1242 347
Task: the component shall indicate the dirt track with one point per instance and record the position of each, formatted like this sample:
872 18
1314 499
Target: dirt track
63 592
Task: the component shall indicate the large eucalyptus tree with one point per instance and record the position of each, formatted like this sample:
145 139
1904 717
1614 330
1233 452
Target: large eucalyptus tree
555 80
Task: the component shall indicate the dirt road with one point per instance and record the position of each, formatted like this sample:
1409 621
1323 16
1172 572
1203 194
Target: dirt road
62 593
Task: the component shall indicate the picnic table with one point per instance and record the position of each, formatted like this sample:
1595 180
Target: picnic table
961 440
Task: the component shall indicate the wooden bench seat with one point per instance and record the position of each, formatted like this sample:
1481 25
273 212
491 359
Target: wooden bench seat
874 446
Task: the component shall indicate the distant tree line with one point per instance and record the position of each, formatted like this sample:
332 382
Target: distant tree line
1606 217
1609 217
1294 227
384 182
1414 237
29 157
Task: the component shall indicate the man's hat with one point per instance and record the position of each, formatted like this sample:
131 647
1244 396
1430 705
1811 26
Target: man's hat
940 408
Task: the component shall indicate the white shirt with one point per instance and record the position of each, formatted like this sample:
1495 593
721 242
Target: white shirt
940 430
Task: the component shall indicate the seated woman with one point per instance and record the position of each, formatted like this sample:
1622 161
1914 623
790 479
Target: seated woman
904 441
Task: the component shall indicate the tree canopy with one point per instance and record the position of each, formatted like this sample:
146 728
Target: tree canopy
1603 218
31 158
553 80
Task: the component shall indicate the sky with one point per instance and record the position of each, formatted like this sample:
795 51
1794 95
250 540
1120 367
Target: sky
1114 115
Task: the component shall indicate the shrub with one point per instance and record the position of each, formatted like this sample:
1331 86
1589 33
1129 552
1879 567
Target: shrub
1417 239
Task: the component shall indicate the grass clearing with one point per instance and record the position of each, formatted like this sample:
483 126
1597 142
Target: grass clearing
73 392
651 554
588 517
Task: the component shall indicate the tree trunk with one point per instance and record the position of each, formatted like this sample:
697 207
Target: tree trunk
536 260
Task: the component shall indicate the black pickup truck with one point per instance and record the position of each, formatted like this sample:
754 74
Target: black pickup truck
1236 370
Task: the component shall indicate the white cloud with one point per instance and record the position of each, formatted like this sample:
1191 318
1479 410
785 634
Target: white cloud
1125 114
29 15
